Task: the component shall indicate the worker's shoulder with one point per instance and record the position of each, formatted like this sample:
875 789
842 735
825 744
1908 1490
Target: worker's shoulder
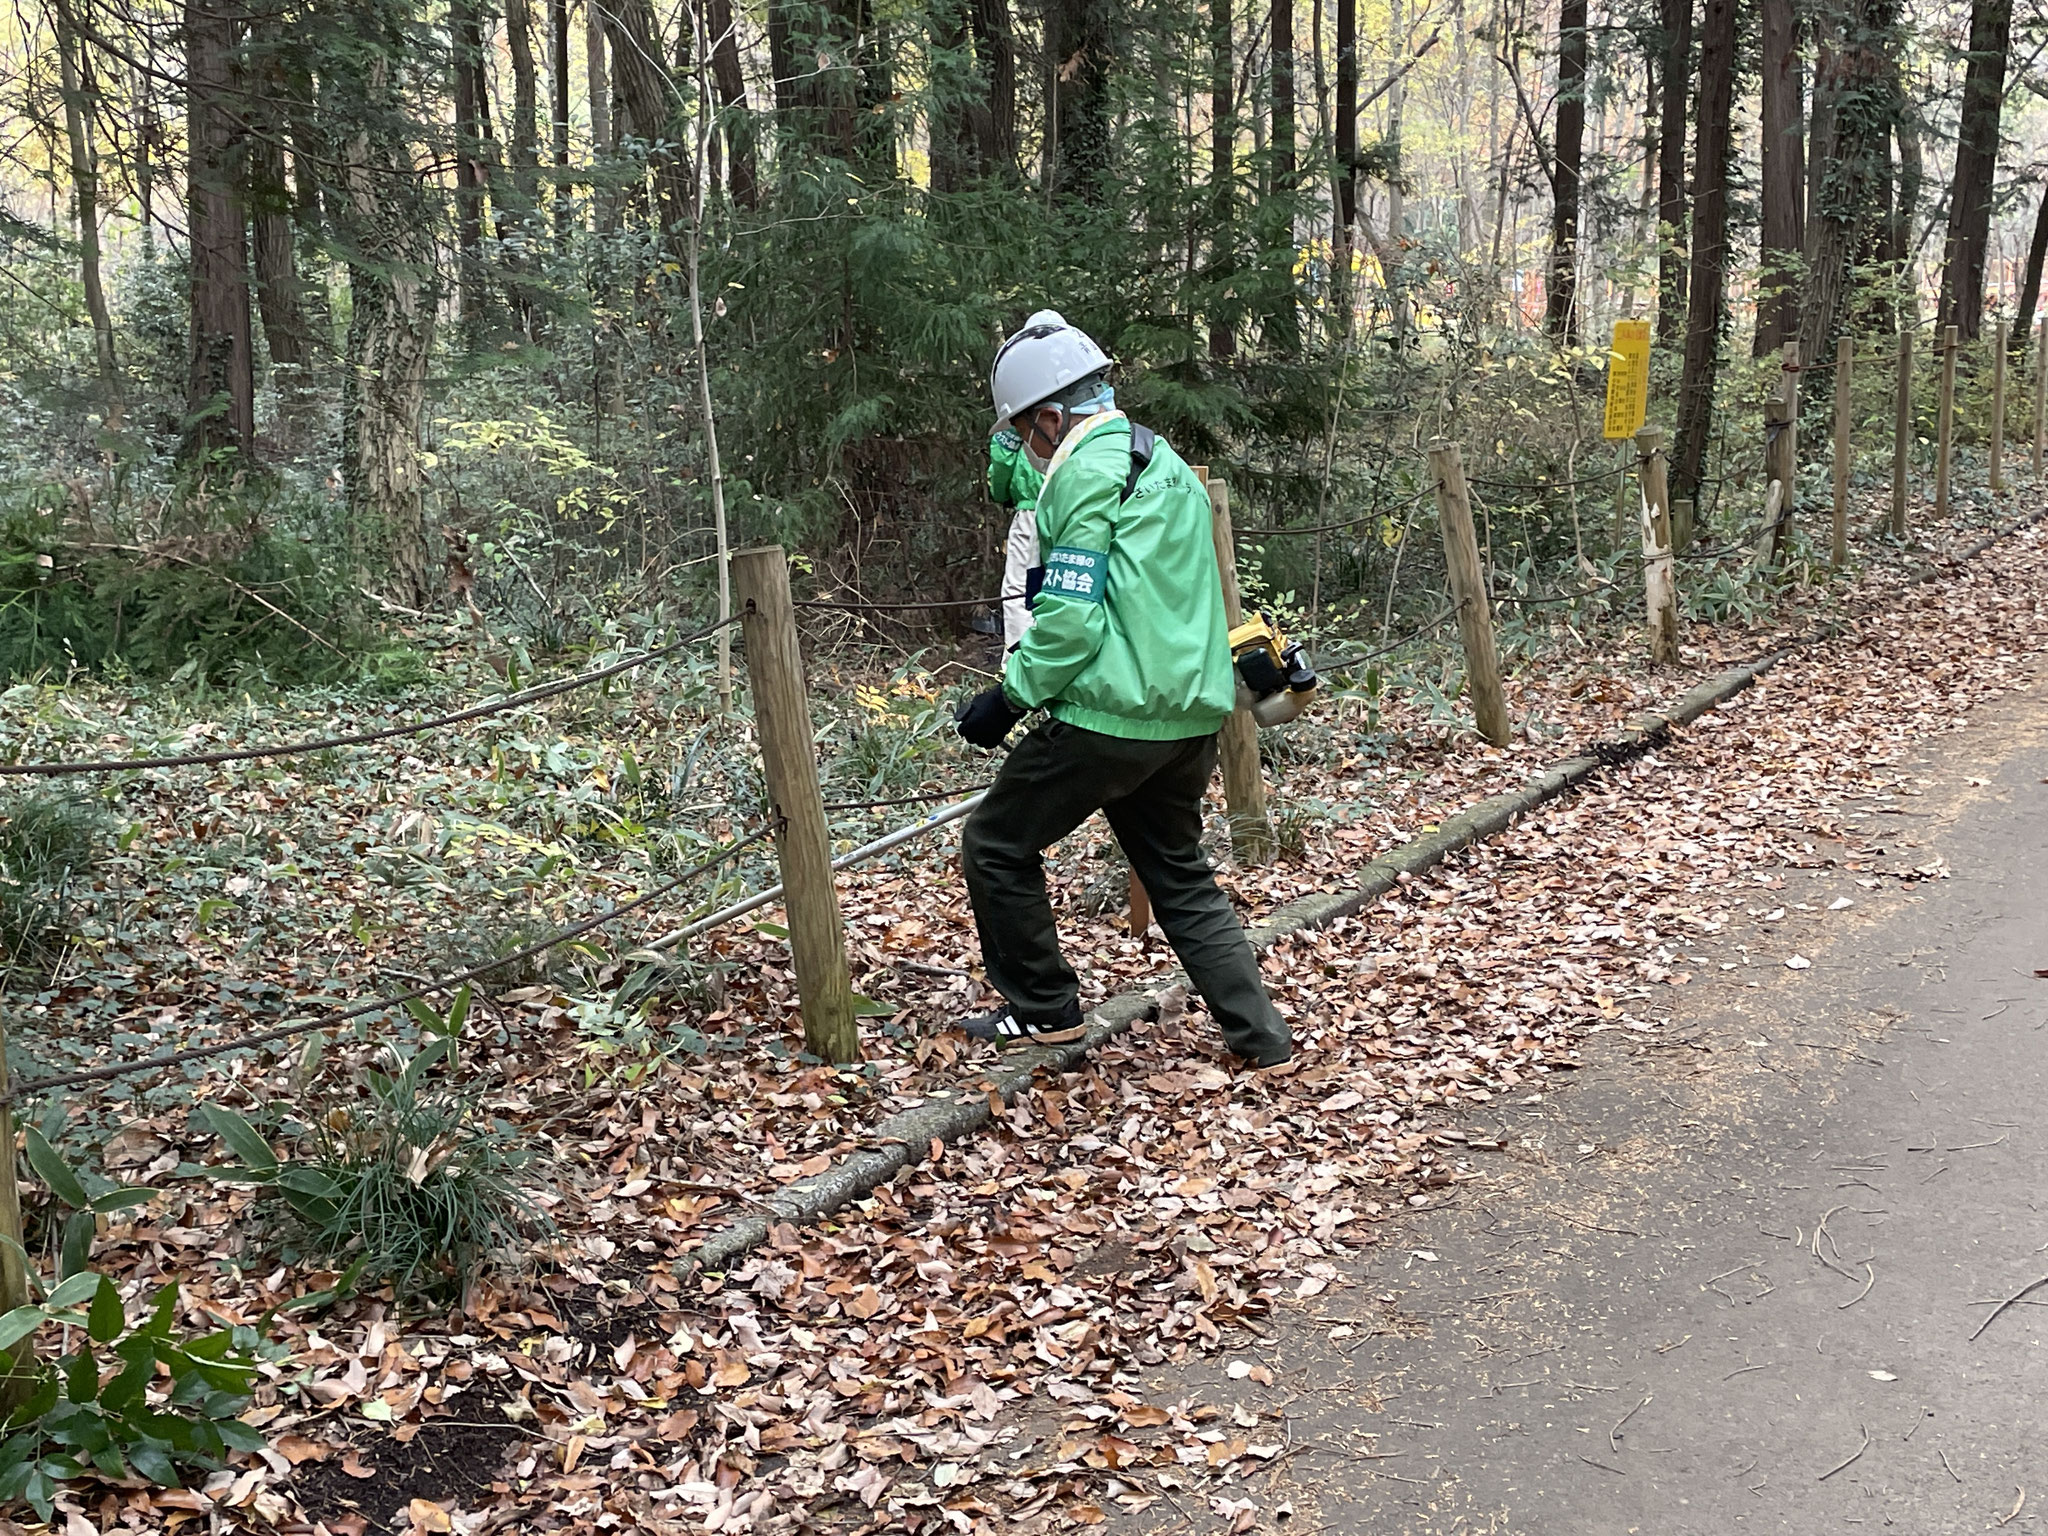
1165 471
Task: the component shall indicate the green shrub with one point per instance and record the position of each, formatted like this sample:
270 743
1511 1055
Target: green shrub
74 1420
172 1401
224 609
411 1184
47 843
483 938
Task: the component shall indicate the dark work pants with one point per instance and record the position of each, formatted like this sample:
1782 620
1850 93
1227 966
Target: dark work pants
1151 792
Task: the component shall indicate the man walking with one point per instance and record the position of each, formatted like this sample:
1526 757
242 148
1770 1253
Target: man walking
1013 482
1128 654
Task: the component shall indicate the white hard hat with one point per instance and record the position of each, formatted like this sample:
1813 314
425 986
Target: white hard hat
1039 361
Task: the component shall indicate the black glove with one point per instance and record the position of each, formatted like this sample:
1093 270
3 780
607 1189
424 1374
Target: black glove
985 719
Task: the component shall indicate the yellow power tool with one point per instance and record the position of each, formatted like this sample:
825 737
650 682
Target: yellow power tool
1274 680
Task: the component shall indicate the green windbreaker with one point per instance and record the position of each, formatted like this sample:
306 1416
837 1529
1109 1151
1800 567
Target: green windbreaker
1128 637
1013 480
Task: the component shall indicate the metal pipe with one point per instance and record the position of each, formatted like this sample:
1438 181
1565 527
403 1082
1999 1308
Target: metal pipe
859 855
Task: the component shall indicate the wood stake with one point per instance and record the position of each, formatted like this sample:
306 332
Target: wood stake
1845 357
1468 590
1781 455
1998 408
14 1387
1141 907
1945 431
1244 786
1660 584
782 720
1902 432
2041 400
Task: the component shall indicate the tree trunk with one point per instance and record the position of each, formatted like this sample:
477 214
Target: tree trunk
2030 289
387 235
1676 30
275 245
873 139
1394 253
1283 323
1347 147
1906 201
220 390
524 196
1784 181
1970 194
599 81
85 197
995 51
781 59
743 171
1081 37
1560 318
1704 314
525 106
647 113
558 31
148 134
955 146
466 53
1852 115
1222 317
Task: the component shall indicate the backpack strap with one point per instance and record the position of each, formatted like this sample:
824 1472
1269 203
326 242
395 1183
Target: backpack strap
1143 441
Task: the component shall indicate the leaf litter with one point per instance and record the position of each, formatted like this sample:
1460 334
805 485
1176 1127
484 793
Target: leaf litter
879 1371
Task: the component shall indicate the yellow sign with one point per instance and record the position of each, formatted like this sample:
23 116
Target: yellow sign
1628 378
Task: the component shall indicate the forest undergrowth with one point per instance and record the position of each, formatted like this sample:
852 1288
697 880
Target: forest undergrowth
869 1373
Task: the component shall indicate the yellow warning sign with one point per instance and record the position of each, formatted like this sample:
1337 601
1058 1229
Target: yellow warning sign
1628 378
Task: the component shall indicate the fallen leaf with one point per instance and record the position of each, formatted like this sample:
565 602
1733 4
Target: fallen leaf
298 1448
863 1304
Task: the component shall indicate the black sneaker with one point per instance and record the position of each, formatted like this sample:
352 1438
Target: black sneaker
1004 1028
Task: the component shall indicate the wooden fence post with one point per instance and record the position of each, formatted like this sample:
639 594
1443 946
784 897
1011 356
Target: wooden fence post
1845 360
13 1265
1781 454
1945 429
1902 432
1468 590
1660 583
1998 408
782 720
2041 400
1244 787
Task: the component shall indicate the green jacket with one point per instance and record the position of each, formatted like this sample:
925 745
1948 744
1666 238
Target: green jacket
1128 637
1013 480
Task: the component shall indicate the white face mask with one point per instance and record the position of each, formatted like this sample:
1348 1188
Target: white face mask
1041 461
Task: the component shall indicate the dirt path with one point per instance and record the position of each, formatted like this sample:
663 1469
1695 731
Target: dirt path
1697 1279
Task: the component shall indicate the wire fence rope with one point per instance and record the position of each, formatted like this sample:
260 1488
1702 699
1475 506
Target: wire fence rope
838 605
367 738
1346 663
1349 522
918 799
338 1017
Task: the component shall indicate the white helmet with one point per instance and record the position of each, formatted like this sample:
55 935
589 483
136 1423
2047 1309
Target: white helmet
1039 361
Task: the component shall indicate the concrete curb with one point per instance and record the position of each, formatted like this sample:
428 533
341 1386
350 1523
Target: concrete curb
905 1138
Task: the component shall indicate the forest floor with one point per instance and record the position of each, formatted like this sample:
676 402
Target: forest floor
1742 1274
977 1342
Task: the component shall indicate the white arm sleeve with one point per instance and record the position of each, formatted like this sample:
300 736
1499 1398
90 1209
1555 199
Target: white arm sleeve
1020 554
